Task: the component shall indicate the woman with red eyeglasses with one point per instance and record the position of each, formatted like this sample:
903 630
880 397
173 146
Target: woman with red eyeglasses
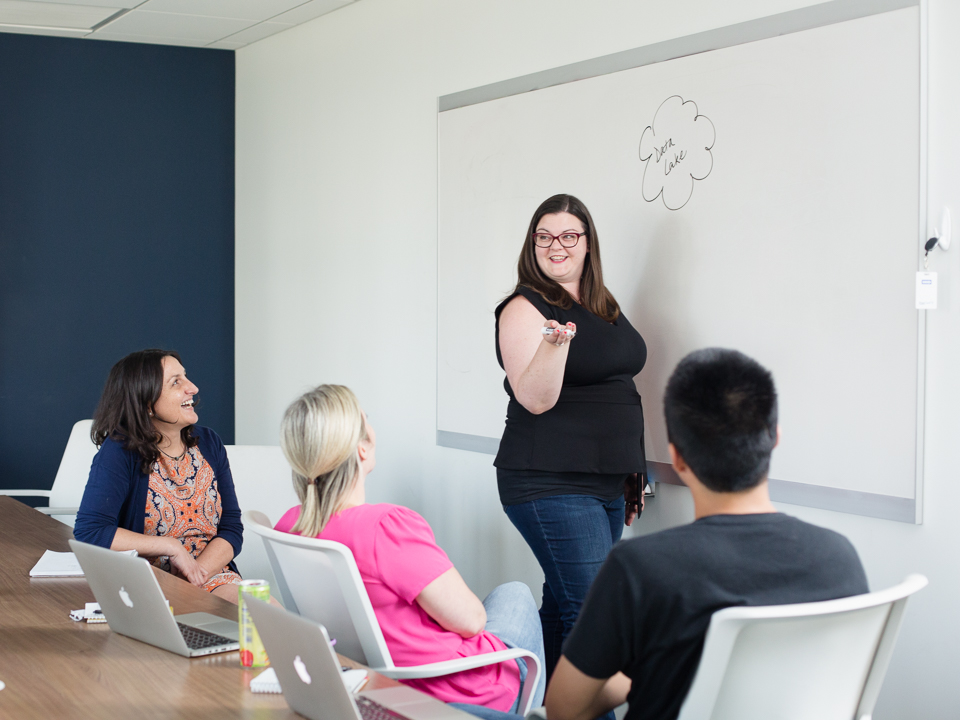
571 459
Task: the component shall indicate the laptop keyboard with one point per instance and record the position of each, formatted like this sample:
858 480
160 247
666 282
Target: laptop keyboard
369 710
199 639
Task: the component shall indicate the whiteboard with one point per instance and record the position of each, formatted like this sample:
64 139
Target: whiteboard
763 196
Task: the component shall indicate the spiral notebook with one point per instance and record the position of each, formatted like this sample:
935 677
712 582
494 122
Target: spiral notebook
266 682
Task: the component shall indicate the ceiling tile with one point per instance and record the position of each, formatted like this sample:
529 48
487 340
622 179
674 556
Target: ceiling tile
95 3
310 10
18 12
170 25
34 30
253 10
258 32
226 45
121 37
223 24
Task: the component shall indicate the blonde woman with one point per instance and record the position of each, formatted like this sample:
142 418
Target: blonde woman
425 609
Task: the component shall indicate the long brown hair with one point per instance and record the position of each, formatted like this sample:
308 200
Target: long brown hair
123 413
594 295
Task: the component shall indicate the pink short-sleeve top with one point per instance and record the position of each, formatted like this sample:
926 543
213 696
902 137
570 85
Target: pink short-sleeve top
398 557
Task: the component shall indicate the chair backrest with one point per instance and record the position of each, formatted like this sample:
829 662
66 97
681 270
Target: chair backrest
809 661
319 580
74 470
262 480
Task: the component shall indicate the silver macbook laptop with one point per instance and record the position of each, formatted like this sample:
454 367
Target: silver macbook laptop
309 674
133 604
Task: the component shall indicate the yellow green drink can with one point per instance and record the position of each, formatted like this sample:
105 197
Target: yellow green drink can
252 653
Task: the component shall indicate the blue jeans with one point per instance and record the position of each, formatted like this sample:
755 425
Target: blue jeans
570 535
512 617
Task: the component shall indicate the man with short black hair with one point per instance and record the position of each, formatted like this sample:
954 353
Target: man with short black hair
641 630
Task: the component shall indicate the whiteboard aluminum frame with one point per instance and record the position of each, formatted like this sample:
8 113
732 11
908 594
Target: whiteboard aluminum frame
854 502
923 231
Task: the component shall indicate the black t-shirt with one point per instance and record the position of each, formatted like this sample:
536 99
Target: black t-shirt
648 610
596 426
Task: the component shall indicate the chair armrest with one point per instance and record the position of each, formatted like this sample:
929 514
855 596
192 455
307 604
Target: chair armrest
448 667
26 493
58 510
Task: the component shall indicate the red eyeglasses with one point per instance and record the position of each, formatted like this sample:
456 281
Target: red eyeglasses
567 239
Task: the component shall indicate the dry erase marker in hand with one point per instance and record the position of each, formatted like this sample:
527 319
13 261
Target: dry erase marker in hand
562 330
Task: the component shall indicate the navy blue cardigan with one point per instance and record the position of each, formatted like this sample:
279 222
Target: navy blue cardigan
116 493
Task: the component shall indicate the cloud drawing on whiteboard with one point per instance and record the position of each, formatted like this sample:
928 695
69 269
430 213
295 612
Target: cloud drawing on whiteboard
676 150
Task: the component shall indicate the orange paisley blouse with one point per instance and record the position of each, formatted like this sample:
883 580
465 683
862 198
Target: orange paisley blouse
183 502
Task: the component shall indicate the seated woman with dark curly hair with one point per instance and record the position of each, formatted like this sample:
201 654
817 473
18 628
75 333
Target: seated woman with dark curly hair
160 484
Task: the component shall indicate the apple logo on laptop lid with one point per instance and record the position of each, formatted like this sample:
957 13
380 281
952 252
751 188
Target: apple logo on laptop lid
125 596
301 669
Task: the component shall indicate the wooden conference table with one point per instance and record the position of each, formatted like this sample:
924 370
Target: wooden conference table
54 667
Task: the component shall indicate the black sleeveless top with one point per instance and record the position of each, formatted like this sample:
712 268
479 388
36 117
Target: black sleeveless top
597 424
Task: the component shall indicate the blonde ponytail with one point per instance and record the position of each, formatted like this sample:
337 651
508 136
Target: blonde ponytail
319 435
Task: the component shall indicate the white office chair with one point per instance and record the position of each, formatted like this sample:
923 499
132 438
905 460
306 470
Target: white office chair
71 479
810 661
262 480
319 580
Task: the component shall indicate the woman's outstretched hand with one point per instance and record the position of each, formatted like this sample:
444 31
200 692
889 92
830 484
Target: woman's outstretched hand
534 354
557 334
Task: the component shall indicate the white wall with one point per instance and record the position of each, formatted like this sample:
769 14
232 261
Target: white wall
336 262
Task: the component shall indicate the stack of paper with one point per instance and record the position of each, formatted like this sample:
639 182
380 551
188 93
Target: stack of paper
57 564
61 564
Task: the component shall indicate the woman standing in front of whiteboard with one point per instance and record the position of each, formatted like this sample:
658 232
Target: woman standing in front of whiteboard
572 450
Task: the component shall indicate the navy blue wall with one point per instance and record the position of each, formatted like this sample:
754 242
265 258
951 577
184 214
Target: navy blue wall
116 231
